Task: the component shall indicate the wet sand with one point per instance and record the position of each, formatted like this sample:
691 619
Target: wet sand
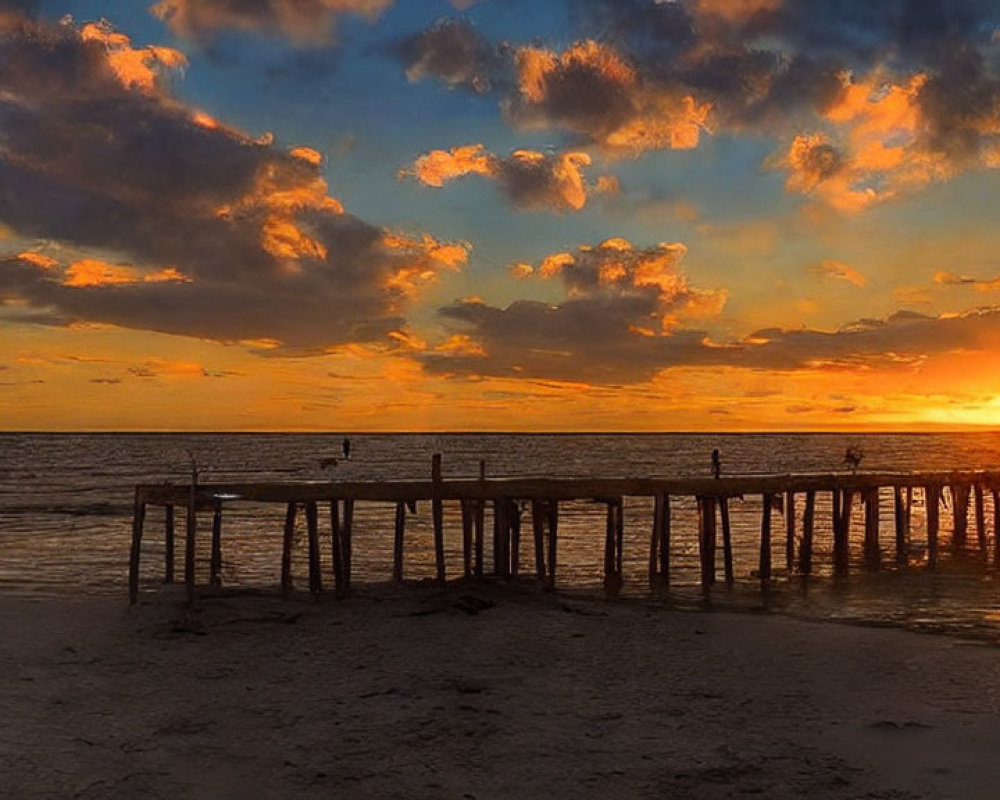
485 692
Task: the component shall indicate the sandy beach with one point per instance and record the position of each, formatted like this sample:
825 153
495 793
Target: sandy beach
482 692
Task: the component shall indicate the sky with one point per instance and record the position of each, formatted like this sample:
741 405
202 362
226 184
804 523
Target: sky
497 215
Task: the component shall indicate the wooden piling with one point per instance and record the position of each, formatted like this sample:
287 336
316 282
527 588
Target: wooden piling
996 527
515 538
659 544
337 549
168 543
190 534
613 547
286 549
347 541
960 515
397 542
842 506
932 499
727 543
980 521
437 514
312 528
138 521
215 562
902 505
553 543
789 531
501 541
479 528
806 548
765 539
538 511
872 555
467 515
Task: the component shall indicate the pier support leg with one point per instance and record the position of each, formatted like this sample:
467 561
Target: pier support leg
286 550
613 548
337 548
901 508
190 536
347 542
706 540
932 500
808 520
872 555
168 544
538 534
980 521
727 543
437 516
515 538
765 540
215 561
960 515
479 529
468 512
397 542
659 545
553 543
138 520
843 502
312 527
789 532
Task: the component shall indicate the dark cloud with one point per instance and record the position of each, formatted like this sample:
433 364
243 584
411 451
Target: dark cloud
209 233
454 52
594 339
307 22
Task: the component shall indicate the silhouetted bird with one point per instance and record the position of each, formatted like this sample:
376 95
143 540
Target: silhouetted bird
716 464
347 449
853 457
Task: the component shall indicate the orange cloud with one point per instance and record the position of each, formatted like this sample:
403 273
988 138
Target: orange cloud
135 68
592 89
529 178
838 270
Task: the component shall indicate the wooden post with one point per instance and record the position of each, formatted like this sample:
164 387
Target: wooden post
610 578
538 532
138 521
515 537
932 497
871 527
286 550
789 532
479 527
727 542
806 548
843 502
659 542
711 535
702 542
664 534
553 542
980 521
467 514
215 562
765 540
902 518
397 542
437 514
168 544
501 529
312 527
347 541
960 515
192 527
337 549
996 527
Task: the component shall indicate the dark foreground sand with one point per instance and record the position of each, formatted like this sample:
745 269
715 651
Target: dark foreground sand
483 693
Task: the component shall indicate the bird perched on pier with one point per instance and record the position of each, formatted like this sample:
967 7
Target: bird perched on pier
853 457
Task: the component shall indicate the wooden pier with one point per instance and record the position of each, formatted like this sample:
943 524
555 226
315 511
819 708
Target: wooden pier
511 498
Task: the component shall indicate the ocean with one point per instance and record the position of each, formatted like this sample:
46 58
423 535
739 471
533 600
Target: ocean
66 504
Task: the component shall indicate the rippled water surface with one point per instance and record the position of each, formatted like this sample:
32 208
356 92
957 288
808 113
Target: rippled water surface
65 510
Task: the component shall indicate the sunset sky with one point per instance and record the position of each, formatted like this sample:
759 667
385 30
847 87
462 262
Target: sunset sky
499 214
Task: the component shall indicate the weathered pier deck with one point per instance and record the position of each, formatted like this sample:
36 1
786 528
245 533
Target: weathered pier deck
510 499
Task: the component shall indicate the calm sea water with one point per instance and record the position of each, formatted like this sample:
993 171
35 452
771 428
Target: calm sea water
65 511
